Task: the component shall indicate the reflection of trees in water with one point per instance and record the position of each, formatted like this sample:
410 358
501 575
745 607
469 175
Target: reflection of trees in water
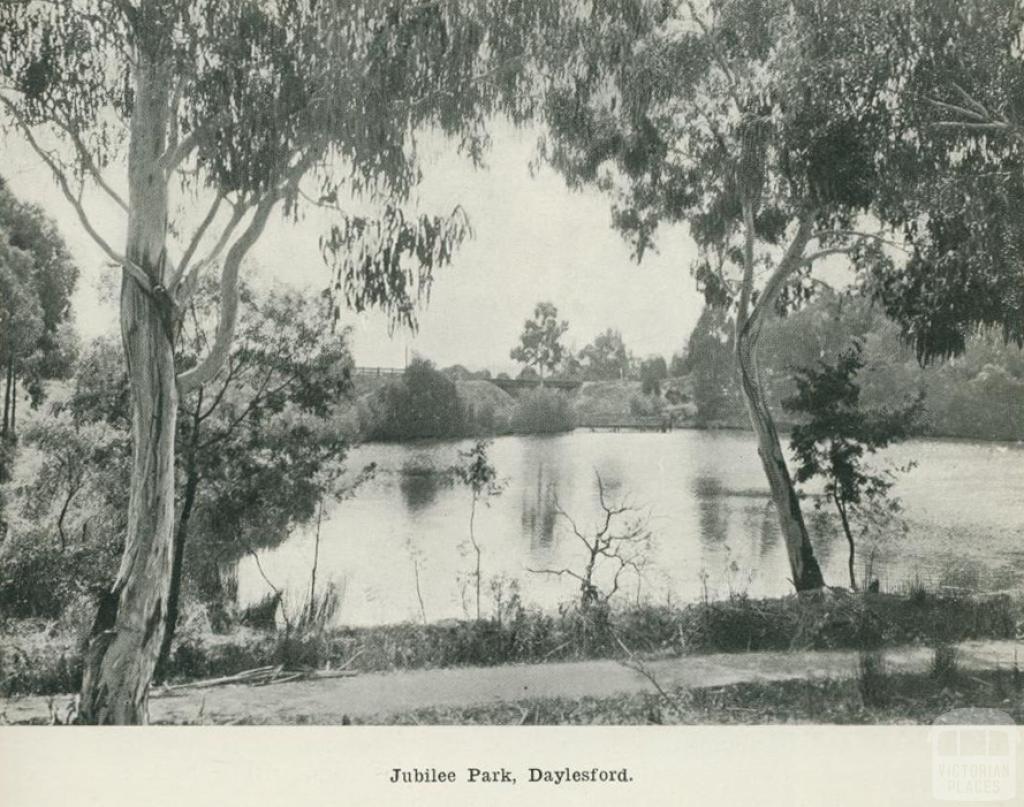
214 551
712 512
613 480
819 524
969 574
824 533
419 488
211 578
768 530
545 477
538 512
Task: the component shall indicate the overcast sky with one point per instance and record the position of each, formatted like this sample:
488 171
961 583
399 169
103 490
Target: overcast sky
533 240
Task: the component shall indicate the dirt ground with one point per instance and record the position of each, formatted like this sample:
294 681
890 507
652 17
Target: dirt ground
331 701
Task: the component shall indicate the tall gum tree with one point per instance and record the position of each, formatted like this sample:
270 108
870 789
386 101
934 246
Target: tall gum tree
245 106
762 124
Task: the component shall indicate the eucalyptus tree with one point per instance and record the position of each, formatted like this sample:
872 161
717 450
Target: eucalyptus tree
540 343
243 107
765 125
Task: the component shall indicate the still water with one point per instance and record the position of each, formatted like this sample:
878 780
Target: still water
405 537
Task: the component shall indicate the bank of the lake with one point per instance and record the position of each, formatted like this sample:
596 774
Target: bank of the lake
38 658
714 530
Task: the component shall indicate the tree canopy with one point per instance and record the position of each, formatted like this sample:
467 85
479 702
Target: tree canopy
784 133
540 344
606 358
762 125
955 184
244 106
37 279
258 95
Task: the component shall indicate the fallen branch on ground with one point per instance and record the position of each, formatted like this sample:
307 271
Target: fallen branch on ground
260 676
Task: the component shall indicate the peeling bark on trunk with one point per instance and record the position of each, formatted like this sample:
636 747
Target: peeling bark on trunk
188 501
802 563
129 627
7 397
177 568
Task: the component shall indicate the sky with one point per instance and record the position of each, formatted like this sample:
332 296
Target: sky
534 240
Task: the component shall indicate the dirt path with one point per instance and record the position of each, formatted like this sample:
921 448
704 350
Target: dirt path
330 700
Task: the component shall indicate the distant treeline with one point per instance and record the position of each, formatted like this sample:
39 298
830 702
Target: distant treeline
425 402
979 395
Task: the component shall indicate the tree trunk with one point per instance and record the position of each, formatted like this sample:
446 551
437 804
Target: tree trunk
476 549
13 424
130 623
181 536
7 396
177 566
802 563
849 540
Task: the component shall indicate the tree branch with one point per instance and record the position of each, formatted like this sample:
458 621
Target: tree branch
971 100
208 368
557 573
958 110
572 524
211 365
186 285
976 127
179 149
194 243
809 259
717 50
174 156
75 201
790 262
881 239
90 165
747 284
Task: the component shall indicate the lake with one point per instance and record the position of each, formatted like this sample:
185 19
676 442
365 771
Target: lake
404 538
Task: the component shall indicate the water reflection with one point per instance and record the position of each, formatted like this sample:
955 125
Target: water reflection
824 532
710 512
419 486
713 515
539 511
768 531
542 469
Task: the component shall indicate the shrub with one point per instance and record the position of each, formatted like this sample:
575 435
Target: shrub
39 579
44 657
645 405
652 372
542 411
424 404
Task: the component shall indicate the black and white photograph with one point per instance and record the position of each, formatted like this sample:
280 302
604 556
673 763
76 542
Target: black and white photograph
517 363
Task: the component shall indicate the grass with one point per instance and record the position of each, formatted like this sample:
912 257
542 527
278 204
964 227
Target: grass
896 698
908 698
37 662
